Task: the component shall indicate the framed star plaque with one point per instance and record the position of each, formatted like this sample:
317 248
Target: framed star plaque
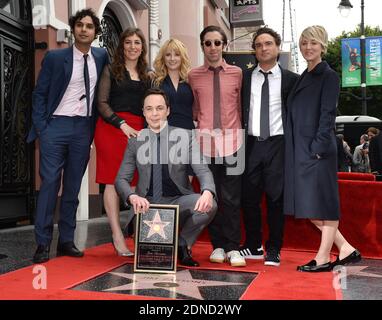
156 241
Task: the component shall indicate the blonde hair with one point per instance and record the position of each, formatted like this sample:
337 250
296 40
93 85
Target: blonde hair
159 63
317 33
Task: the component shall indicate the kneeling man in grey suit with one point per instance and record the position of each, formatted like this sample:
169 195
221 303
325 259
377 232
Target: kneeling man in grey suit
166 181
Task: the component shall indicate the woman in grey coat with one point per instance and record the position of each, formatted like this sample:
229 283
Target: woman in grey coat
311 189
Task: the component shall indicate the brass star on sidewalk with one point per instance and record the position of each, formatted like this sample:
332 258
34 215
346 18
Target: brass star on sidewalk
156 226
358 271
182 283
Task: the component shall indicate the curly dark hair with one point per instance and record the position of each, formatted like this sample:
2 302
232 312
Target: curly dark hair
118 64
269 31
85 13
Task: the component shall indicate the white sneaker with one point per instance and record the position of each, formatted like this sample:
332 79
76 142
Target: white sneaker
218 255
236 259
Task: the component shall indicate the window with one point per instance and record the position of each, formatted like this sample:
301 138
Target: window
11 6
19 9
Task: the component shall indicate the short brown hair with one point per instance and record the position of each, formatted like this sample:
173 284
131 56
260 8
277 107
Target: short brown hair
156 91
213 29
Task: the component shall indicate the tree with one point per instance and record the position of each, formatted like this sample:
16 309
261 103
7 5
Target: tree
348 104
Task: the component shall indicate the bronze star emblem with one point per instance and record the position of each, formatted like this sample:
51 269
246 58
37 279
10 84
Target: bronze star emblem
156 226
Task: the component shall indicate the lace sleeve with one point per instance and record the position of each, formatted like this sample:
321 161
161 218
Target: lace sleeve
104 108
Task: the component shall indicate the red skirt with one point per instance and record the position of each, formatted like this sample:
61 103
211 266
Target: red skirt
111 144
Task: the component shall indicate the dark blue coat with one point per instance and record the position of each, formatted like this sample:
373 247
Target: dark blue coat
52 82
311 189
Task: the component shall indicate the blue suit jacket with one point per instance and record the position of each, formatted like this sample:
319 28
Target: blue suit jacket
52 82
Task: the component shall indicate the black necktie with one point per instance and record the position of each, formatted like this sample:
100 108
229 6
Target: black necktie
216 120
264 109
157 175
87 83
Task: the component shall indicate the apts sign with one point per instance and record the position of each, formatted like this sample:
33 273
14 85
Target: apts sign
245 2
246 13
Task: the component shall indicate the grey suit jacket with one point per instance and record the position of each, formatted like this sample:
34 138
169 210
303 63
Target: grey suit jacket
178 147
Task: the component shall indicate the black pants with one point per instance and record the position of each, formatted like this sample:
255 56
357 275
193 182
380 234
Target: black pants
264 172
224 229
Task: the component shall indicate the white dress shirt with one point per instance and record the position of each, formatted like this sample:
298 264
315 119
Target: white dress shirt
275 101
71 105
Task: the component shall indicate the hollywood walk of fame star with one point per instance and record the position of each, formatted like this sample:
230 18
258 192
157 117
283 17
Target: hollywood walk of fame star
156 226
182 283
358 271
343 272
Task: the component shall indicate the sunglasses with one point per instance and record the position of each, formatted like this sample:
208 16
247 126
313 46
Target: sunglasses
217 43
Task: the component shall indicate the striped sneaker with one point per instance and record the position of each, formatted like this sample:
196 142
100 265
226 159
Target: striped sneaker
255 254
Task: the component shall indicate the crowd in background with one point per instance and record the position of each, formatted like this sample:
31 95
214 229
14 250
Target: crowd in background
364 158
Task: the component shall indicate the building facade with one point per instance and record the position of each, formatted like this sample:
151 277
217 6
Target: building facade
28 28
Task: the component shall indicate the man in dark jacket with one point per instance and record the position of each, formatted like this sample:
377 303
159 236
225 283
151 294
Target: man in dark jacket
264 93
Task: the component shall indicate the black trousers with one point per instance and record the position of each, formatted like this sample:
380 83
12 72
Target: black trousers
224 229
264 172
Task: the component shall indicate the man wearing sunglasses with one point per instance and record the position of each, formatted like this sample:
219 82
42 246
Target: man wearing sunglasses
264 94
217 109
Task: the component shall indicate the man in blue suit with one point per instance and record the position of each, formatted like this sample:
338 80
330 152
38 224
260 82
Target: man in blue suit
63 116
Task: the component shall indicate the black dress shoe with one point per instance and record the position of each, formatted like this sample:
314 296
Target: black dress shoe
42 254
68 249
185 257
313 267
354 257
